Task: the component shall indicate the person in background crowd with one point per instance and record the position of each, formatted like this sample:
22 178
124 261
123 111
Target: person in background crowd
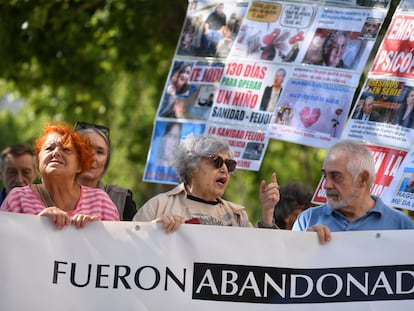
294 199
204 164
98 136
405 115
62 154
349 171
367 112
17 167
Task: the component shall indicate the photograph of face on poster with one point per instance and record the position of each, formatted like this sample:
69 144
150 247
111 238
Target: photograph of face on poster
367 109
165 138
407 180
335 48
277 36
179 81
178 88
253 151
383 114
210 28
392 101
370 28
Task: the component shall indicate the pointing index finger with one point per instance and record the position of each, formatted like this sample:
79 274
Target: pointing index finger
274 179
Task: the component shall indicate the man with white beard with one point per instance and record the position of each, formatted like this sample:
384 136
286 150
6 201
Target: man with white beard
349 171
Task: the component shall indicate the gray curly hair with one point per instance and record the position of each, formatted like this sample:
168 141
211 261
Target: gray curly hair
188 154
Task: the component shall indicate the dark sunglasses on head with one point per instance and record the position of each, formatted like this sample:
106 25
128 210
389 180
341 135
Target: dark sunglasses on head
219 161
86 125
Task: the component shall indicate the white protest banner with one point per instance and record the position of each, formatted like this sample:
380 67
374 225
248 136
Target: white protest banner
137 266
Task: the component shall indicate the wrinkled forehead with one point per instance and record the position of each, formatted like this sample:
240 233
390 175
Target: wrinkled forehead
335 161
21 160
55 138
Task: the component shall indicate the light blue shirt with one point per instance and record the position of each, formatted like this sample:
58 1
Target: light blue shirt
380 217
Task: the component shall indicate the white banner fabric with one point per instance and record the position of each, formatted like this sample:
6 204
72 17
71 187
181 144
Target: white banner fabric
137 266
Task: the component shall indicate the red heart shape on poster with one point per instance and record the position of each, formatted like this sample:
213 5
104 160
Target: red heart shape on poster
268 39
309 117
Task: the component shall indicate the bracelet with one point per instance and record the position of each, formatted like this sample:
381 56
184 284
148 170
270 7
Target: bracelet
261 224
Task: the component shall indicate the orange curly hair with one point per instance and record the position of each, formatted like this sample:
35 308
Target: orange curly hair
69 138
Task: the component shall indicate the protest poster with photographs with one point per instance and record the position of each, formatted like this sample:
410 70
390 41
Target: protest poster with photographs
311 113
265 67
273 31
379 114
319 95
383 113
366 3
297 32
210 28
248 93
395 56
166 137
249 145
190 90
400 194
387 164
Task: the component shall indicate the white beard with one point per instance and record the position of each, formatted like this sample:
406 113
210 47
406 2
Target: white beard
341 203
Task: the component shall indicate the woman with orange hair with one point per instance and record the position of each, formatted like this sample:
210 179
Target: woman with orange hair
62 154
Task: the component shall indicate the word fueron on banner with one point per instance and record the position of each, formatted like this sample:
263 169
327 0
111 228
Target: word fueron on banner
250 284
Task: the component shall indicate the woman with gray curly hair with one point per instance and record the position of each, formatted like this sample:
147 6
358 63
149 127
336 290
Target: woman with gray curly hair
204 164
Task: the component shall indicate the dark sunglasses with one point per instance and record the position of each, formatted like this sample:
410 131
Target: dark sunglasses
219 161
86 125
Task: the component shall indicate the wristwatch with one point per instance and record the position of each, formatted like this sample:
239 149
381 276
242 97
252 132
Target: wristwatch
261 224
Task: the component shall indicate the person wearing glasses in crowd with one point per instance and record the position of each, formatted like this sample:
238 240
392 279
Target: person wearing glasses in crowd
62 154
17 167
98 135
204 164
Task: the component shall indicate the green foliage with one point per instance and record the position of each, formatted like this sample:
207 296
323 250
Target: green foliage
106 61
